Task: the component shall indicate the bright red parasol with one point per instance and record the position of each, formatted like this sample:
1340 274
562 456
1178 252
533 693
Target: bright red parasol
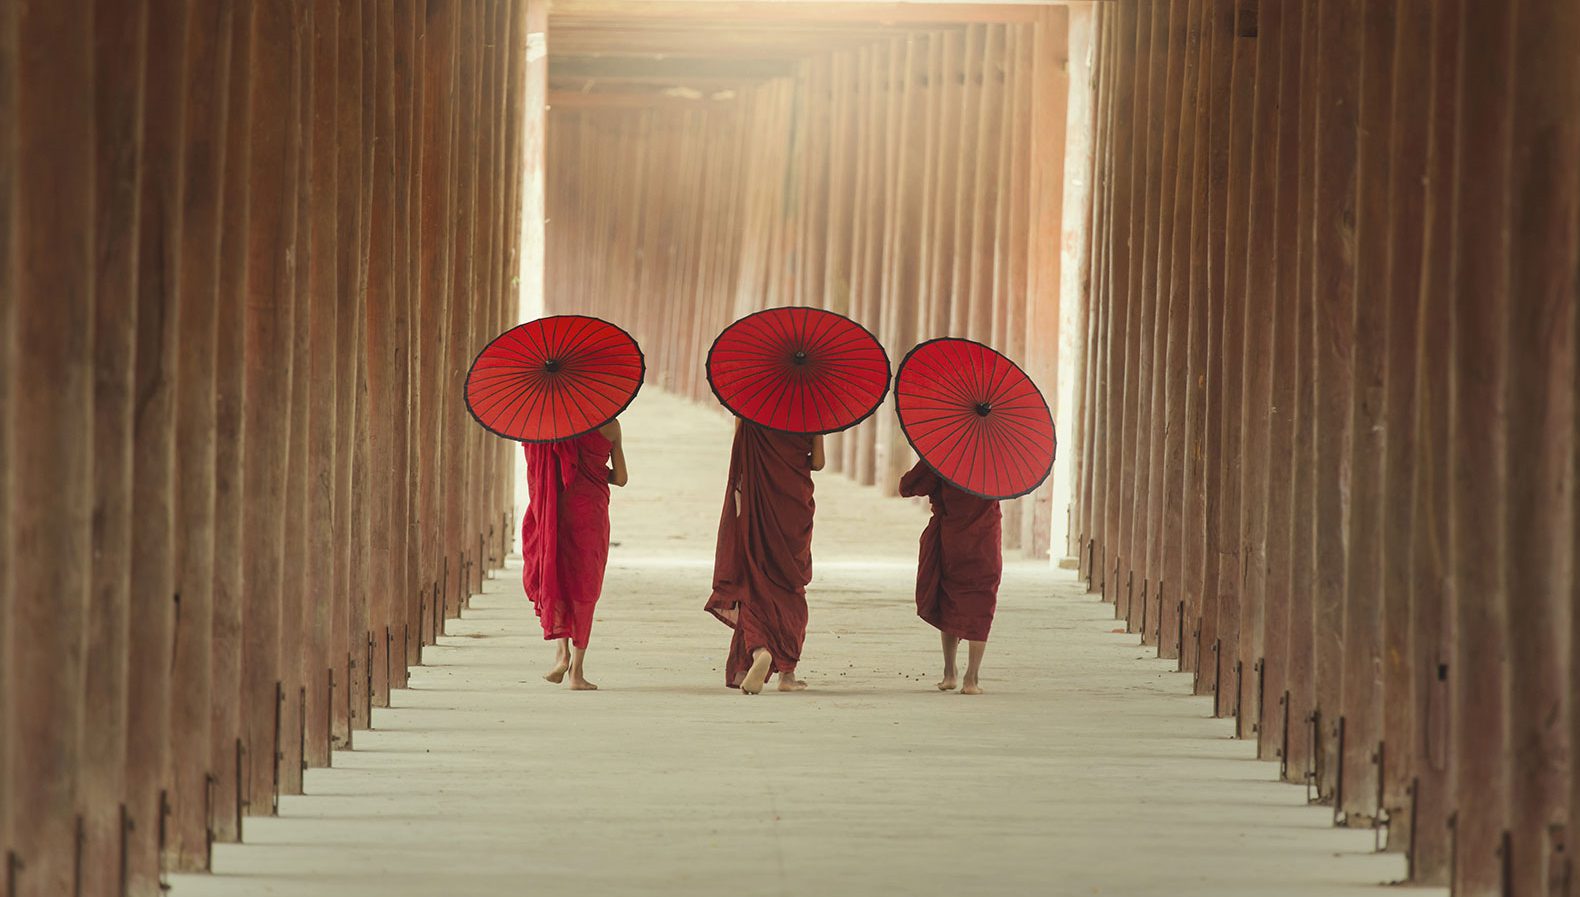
799 370
554 378
975 418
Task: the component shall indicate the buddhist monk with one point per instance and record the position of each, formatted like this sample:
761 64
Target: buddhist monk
958 572
565 539
764 556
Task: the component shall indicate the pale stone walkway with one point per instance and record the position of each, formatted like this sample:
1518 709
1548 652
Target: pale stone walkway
1085 769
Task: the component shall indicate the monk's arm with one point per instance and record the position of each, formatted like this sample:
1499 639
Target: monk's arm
617 472
817 452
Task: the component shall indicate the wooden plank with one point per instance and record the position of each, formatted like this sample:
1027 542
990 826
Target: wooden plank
205 123
8 290
120 39
227 726
1539 347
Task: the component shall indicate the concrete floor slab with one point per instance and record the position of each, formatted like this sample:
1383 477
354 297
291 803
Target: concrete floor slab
1086 769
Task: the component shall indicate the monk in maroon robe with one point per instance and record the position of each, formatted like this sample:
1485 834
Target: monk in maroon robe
958 572
763 559
565 539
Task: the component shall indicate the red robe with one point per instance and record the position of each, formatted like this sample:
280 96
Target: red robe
763 560
962 557
565 536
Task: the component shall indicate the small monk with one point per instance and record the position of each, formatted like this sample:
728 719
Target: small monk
565 539
958 573
763 560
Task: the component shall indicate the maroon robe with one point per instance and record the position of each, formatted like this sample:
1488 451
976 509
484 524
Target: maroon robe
763 560
962 556
565 536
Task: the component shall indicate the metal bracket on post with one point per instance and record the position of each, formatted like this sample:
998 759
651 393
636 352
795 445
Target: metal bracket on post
127 827
1283 748
279 744
1144 605
1313 720
1130 598
329 728
1383 816
1239 705
1179 641
1217 678
209 784
1339 816
405 653
79 839
368 692
1261 695
301 742
1453 852
164 829
1196 673
389 664
1091 557
13 871
1506 864
351 707
242 801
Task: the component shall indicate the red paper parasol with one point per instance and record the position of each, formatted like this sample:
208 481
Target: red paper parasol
975 418
799 370
554 378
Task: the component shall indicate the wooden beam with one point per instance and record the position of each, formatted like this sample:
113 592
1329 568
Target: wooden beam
866 13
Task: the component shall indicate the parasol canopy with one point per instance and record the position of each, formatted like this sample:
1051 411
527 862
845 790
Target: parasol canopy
799 370
554 378
975 418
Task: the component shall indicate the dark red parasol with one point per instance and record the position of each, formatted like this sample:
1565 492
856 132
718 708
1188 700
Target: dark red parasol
975 418
799 370
554 378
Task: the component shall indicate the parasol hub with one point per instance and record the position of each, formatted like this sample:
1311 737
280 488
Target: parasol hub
799 357
983 409
552 365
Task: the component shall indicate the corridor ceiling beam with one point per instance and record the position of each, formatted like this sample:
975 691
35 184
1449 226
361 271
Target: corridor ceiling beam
778 11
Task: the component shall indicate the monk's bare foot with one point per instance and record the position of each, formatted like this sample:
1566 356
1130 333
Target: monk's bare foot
580 683
758 674
947 683
971 688
557 675
788 682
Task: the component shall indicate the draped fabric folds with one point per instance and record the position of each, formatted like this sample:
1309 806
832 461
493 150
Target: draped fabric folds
565 536
763 560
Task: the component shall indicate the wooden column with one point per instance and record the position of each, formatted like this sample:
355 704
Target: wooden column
1539 347
319 661
8 291
120 40
205 125
227 721
1261 307
152 576
380 311
271 230
1363 621
1479 294
346 644
50 407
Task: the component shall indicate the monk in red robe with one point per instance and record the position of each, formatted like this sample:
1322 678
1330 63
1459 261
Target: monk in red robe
958 573
763 559
565 539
